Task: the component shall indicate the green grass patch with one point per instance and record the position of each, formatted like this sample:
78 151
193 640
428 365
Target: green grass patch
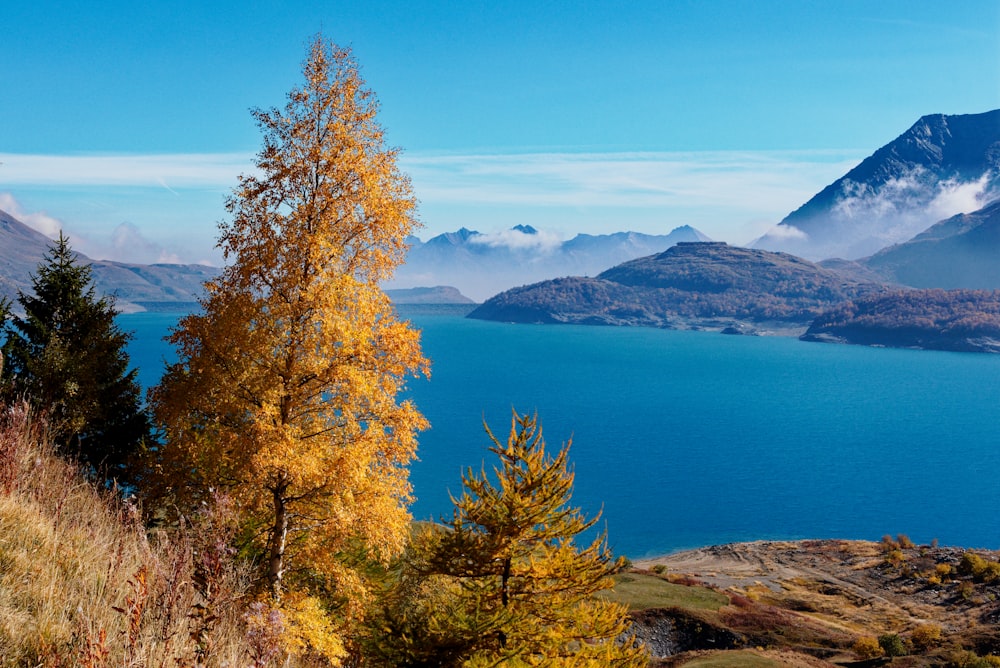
640 592
732 660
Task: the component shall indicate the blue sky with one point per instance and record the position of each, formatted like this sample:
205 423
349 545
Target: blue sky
126 123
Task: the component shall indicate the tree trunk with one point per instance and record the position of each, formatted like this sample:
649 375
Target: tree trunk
504 595
279 538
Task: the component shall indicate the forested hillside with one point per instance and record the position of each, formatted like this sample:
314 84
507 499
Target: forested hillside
960 320
689 285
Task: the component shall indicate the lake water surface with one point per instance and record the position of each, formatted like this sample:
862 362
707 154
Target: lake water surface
690 438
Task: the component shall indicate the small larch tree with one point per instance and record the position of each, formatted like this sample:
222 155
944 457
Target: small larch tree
68 358
286 390
503 582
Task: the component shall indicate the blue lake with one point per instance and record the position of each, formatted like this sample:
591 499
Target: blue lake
686 439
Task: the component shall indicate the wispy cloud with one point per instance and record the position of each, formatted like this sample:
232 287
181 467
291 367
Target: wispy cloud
125 243
170 171
618 179
730 195
129 244
740 184
637 179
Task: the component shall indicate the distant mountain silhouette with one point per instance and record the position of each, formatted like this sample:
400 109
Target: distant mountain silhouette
440 294
139 287
941 166
23 248
691 285
960 252
481 265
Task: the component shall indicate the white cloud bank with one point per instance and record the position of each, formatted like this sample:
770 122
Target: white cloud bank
125 243
915 198
540 242
37 220
865 218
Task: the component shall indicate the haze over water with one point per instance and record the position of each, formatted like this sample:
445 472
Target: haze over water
692 438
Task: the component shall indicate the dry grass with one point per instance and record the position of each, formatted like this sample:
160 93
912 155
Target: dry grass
83 584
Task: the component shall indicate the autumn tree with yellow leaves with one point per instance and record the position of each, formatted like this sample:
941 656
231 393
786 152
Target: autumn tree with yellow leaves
503 582
286 392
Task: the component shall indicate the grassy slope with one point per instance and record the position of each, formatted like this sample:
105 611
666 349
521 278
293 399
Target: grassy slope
81 584
641 591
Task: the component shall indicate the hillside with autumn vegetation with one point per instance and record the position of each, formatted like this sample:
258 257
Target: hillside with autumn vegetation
957 320
691 285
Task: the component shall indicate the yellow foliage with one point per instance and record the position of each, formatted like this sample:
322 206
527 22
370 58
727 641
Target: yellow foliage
926 636
309 630
867 647
285 392
511 586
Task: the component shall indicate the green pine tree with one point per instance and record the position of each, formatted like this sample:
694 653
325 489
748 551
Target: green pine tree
504 582
67 357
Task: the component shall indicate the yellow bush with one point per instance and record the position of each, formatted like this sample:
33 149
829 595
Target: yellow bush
867 647
926 636
980 568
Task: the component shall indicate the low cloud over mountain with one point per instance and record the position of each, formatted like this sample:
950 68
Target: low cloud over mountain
481 265
133 284
960 252
942 166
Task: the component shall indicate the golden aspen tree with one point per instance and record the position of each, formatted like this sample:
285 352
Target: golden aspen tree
503 583
286 390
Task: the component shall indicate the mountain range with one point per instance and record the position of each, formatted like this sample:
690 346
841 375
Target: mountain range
481 265
941 166
922 211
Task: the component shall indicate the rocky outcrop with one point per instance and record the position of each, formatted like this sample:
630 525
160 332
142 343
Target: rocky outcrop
669 631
